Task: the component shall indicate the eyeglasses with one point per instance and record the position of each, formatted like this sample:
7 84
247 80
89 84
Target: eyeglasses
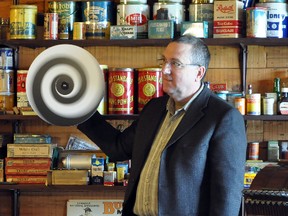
174 64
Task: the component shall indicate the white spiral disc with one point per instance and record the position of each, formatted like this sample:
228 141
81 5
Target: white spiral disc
65 85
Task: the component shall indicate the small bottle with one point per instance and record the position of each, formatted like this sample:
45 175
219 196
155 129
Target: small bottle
249 89
283 104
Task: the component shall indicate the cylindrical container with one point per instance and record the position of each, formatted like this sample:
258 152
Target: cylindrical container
68 14
102 107
23 21
51 26
268 106
149 85
79 31
121 91
277 19
253 104
253 153
7 81
6 58
100 12
240 104
202 10
176 12
96 30
77 162
22 100
6 101
134 13
256 22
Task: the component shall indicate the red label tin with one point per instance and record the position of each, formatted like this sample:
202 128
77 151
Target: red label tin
149 85
121 91
51 26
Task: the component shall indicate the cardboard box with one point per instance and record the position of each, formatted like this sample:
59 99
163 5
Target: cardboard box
30 150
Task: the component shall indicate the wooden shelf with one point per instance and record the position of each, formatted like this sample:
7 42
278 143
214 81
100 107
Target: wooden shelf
60 188
143 42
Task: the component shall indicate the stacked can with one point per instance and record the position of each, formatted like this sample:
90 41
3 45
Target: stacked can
6 79
51 26
277 19
22 99
98 16
175 11
202 10
134 13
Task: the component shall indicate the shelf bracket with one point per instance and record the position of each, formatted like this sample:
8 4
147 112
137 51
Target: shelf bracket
16 194
243 67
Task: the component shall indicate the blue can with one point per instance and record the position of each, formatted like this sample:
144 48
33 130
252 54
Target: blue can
6 59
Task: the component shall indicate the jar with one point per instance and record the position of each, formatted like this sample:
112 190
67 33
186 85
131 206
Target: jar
283 105
134 13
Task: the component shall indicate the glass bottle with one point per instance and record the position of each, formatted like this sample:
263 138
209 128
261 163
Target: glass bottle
283 104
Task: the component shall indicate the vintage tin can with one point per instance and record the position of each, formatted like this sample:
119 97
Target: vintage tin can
175 12
22 99
277 19
95 30
7 81
268 106
6 101
6 58
79 31
149 85
121 91
77 162
134 13
256 22
239 103
253 152
253 104
51 26
68 12
23 21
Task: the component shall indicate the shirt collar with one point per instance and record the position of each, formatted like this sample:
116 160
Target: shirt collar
171 104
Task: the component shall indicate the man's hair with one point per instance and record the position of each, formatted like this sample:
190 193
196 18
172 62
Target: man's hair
200 54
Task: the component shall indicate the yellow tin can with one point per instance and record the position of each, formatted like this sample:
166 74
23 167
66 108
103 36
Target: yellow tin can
23 21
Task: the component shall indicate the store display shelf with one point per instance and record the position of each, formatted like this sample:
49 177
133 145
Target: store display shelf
267 117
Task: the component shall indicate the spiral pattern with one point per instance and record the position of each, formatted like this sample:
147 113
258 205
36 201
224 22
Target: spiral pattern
65 85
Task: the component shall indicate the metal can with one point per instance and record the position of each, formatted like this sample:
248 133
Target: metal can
253 153
256 22
277 19
6 101
149 85
51 26
96 30
239 103
121 91
79 30
23 21
7 81
202 11
22 99
6 58
253 104
268 106
134 13
176 12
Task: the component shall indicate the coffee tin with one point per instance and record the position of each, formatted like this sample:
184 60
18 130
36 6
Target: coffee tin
121 91
149 85
23 21
7 81
6 58
253 104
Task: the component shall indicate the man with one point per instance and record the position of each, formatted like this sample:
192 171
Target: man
187 148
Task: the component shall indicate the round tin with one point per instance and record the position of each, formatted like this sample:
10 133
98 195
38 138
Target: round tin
253 104
121 91
199 12
7 81
96 30
79 30
253 151
268 106
277 19
134 14
176 12
51 26
149 85
6 58
256 22
22 100
239 103
23 21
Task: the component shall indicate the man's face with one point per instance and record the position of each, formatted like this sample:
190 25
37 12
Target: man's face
181 78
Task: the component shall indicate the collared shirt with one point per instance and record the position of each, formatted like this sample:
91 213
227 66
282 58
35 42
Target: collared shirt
147 192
